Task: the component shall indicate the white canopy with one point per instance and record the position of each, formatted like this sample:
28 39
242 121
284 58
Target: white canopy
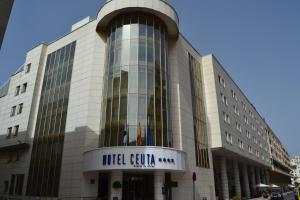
291 186
261 185
275 186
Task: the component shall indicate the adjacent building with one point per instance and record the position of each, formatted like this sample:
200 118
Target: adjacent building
123 107
239 142
295 163
5 10
280 159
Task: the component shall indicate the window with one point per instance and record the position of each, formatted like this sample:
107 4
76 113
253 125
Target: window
257 153
20 108
60 61
255 140
234 95
226 118
236 110
16 130
253 127
28 68
250 150
13 111
238 127
137 88
243 105
251 114
16 184
248 134
246 119
24 88
241 144
222 81
200 133
17 92
9 132
224 99
228 138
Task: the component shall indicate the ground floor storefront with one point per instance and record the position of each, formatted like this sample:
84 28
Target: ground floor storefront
236 177
135 186
132 173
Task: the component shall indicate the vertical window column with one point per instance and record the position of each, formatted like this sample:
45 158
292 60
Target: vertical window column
135 103
200 129
45 164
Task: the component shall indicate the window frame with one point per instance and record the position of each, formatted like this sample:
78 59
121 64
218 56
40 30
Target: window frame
17 91
16 130
24 88
13 111
20 108
28 68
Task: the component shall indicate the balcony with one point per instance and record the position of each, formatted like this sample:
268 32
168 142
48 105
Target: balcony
13 143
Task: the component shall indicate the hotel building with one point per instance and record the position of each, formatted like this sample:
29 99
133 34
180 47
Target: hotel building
123 107
239 143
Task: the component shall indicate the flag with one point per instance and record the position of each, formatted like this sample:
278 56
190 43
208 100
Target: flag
144 137
149 136
139 135
125 136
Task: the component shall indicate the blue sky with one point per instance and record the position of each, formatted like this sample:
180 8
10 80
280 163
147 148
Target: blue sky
258 42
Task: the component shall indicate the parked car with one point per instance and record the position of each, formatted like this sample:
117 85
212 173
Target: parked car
276 194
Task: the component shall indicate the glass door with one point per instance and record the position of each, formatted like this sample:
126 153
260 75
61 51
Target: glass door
138 186
103 186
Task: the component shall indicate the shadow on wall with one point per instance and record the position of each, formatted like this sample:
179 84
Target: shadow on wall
76 142
12 142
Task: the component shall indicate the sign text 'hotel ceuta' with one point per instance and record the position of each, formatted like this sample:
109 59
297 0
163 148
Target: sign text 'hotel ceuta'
126 158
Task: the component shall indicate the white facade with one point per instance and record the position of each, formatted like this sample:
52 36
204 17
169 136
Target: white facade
239 140
230 111
295 162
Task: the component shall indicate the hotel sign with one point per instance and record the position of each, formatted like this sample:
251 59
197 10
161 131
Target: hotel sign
134 158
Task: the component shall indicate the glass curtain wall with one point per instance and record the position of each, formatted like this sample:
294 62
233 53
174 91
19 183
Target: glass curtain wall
45 164
135 103
200 128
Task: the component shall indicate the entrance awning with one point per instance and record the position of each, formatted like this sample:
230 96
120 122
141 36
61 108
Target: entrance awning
134 158
275 186
261 185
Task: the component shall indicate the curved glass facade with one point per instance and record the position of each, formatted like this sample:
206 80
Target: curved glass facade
135 101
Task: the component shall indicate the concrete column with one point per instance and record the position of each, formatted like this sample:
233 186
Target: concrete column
253 182
256 175
159 179
258 180
237 178
246 181
115 176
90 184
267 177
224 179
263 176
